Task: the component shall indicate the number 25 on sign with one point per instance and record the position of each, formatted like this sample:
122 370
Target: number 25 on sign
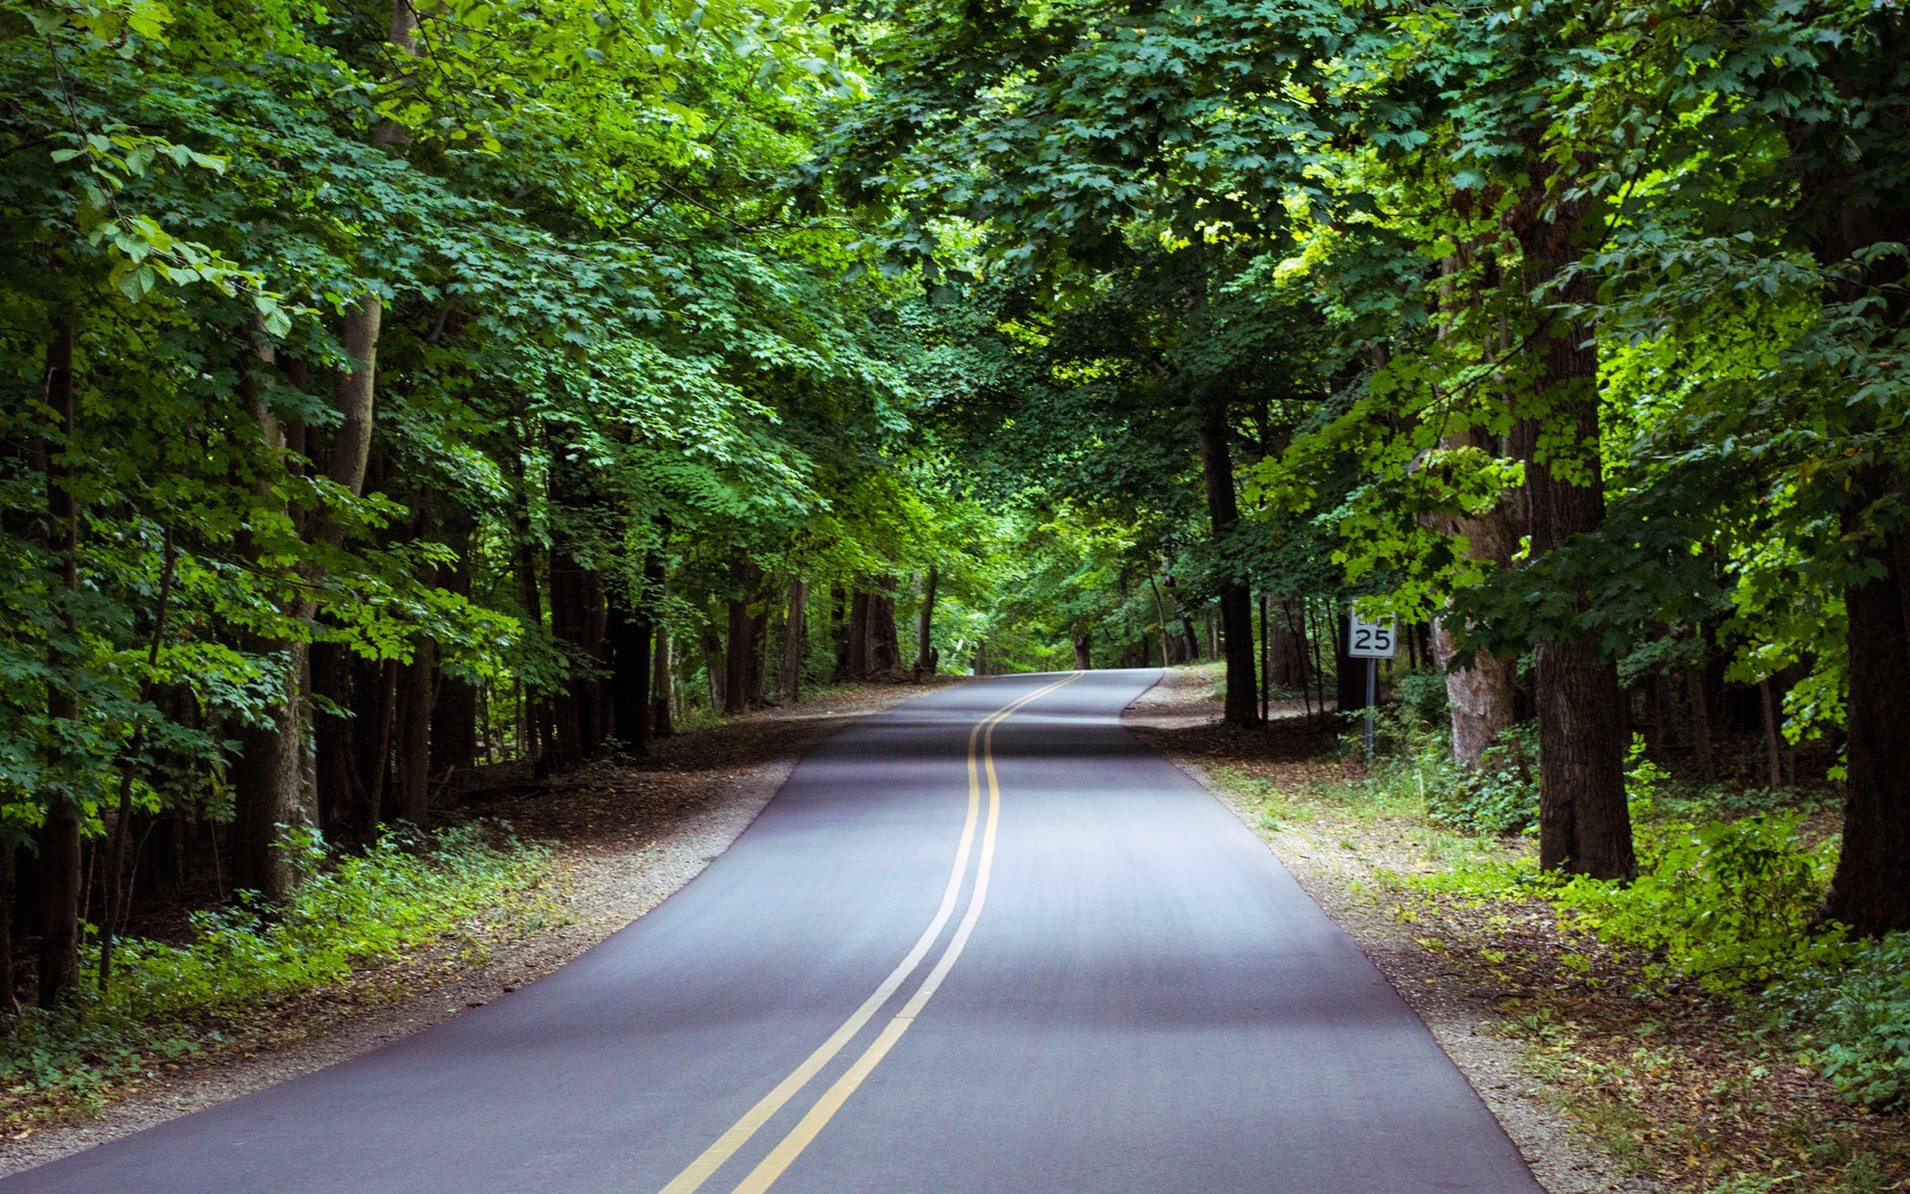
1371 640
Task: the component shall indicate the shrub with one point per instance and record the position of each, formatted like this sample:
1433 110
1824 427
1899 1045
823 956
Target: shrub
1857 1011
404 892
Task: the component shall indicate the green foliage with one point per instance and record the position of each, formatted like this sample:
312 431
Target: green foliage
167 1000
1856 1011
1727 905
1501 795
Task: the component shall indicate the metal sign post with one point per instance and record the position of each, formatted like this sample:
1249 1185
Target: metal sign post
1371 641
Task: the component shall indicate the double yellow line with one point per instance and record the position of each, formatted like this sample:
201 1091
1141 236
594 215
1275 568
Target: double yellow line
980 746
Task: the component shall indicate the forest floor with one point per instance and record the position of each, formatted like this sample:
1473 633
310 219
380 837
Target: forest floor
624 836
1603 1085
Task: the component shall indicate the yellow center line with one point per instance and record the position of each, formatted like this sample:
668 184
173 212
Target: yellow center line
739 1133
805 1132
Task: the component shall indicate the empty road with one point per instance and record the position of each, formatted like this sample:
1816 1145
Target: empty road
982 942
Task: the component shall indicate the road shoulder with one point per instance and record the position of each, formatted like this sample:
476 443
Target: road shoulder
1179 717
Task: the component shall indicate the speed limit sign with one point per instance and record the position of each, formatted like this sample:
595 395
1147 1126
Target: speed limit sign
1371 640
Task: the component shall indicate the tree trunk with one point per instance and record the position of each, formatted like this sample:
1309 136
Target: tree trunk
795 638
1083 651
1773 747
1480 696
267 777
373 694
411 772
925 624
741 642
454 712
839 632
885 641
1871 889
656 578
1701 725
9 858
1236 608
857 634
628 641
1288 651
1584 824
59 833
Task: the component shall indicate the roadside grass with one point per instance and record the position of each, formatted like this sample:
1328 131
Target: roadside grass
409 894
1696 1022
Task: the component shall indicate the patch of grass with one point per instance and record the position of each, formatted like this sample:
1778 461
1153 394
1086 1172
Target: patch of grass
169 1001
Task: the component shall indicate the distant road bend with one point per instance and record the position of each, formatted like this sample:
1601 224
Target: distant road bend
984 942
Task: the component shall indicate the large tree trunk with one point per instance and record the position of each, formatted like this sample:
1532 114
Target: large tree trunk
925 624
885 641
9 858
411 772
454 712
1083 650
857 634
741 640
373 695
1236 604
795 638
1481 696
1584 824
59 833
1288 650
1871 890
662 687
628 641
267 776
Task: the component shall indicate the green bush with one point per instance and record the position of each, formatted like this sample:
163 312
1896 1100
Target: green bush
1501 796
1728 904
166 1000
1857 1012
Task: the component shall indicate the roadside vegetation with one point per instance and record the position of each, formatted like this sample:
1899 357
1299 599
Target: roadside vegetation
1700 1022
207 990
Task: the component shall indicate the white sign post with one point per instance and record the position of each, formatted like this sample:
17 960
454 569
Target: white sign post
1371 641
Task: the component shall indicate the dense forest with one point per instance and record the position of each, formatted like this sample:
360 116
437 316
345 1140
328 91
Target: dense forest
395 391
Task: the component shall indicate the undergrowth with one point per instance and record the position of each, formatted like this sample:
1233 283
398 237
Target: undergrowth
169 1001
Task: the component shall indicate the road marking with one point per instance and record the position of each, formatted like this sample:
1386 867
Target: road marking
739 1133
804 1133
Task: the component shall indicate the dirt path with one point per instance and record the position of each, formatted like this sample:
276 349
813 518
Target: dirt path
1335 863
624 839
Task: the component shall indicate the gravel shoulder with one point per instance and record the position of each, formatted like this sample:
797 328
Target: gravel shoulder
624 837
1180 717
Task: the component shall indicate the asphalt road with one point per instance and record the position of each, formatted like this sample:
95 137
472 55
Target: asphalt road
956 953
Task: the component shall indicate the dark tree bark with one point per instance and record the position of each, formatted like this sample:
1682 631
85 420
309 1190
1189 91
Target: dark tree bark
1773 746
885 641
1871 889
373 696
662 688
745 577
59 833
1584 824
857 634
839 632
454 711
795 640
1236 605
925 624
1288 650
628 642
411 769
9 857
1083 651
